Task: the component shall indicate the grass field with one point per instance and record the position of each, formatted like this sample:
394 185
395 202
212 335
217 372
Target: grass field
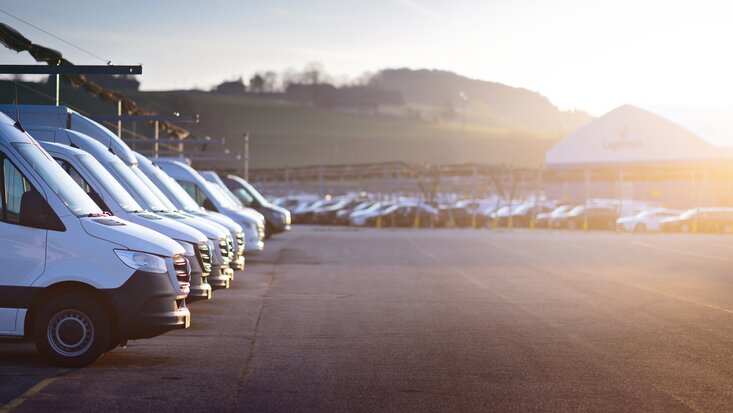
286 134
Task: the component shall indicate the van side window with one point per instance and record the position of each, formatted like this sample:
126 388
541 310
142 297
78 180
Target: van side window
194 191
14 185
75 175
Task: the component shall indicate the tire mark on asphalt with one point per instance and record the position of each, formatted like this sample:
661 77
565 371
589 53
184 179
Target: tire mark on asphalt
247 368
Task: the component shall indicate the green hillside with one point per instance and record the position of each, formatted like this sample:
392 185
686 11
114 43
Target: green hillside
285 134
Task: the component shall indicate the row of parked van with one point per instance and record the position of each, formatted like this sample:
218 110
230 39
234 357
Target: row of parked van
101 245
596 214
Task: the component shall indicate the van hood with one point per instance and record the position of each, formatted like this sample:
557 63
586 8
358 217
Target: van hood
130 235
168 227
219 218
212 230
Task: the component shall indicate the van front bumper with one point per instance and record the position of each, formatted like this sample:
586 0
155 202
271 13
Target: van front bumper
219 277
147 305
199 289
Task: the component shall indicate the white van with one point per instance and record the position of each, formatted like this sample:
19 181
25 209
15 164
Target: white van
184 203
76 281
100 172
210 197
63 117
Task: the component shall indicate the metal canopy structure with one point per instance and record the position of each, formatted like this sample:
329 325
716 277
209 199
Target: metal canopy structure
68 70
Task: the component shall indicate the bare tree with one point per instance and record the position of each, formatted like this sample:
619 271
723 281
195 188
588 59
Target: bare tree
313 73
257 83
271 80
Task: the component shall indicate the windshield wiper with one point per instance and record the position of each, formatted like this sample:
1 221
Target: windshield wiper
98 214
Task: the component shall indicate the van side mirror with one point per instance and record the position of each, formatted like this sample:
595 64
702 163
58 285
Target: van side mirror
33 210
209 205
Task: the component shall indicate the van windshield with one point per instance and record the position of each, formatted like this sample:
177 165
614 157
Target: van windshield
154 189
116 191
177 193
219 196
149 200
59 181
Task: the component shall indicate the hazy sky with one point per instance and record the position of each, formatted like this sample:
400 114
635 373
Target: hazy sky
591 55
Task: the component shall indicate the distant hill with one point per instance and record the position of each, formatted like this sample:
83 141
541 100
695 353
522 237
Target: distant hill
499 104
503 125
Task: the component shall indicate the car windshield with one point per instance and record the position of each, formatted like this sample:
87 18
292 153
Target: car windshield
149 200
561 210
116 191
688 214
253 192
243 196
577 210
59 181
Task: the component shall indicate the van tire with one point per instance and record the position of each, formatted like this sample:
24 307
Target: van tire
86 336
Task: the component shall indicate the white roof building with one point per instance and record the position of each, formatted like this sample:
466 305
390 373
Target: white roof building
630 135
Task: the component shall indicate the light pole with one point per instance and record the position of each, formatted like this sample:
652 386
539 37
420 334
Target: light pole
464 99
246 156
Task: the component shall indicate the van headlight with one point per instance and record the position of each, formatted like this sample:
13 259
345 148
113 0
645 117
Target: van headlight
188 247
142 261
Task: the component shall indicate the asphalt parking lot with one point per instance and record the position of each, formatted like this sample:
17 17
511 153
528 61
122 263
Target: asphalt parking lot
337 319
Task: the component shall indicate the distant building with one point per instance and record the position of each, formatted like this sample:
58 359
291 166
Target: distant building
673 156
234 87
350 99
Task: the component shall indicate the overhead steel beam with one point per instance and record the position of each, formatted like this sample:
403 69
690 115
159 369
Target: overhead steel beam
70 69
150 118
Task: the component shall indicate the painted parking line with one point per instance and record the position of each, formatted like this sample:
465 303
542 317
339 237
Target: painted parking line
682 252
9 406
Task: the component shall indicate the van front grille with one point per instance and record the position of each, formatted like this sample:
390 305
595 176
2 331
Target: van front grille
240 241
183 272
203 254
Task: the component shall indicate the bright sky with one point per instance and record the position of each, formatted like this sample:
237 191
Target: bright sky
590 55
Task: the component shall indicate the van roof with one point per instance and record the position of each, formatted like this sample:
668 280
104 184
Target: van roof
78 140
64 117
9 133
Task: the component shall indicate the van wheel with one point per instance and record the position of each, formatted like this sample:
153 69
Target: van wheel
640 228
71 330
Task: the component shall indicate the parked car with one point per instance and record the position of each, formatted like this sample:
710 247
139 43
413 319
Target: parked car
462 214
597 217
407 215
342 216
545 219
327 215
128 282
707 220
363 216
520 215
648 220
277 219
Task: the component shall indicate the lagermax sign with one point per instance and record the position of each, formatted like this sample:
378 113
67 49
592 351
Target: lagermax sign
622 141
